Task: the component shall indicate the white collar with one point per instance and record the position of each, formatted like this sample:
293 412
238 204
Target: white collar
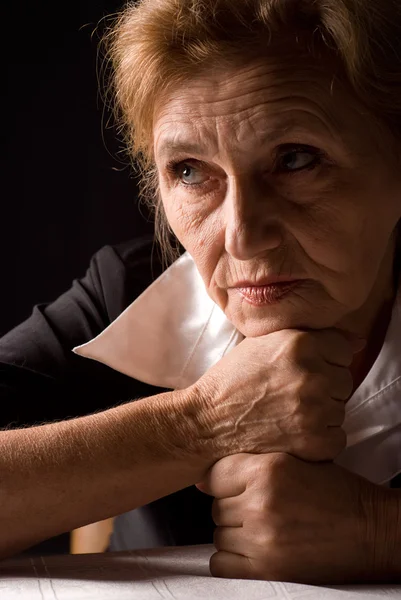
173 333
170 335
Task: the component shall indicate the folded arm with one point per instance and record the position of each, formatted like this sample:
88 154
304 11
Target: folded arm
61 476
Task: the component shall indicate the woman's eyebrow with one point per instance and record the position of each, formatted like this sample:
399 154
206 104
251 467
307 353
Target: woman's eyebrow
172 144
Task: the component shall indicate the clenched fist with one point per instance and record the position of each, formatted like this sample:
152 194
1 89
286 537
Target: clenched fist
281 518
284 392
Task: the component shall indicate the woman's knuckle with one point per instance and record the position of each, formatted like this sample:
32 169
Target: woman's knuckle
301 341
319 445
275 465
303 423
266 537
310 386
260 506
308 448
306 418
302 384
328 444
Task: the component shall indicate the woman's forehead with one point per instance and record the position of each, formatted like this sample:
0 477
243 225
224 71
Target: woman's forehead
262 101
216 89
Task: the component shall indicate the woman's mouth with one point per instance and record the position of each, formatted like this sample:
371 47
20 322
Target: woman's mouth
263 295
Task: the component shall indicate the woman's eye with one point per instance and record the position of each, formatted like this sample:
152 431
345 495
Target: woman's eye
298 160
187 173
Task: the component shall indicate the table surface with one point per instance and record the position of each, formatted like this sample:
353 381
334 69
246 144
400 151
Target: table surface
156 574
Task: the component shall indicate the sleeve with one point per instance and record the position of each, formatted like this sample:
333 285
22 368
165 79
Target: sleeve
41 379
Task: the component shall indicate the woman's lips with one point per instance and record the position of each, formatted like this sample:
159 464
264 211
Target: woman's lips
262 295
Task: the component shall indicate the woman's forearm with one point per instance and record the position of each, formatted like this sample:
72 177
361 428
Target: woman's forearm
60 476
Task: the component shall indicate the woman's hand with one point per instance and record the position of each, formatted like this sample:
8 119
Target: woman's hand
284 392
283 519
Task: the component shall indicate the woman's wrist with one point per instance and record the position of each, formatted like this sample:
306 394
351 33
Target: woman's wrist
182 433
197 432
210 432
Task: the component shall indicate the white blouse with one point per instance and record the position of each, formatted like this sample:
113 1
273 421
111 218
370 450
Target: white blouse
173 333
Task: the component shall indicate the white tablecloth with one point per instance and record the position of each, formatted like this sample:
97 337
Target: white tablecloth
165 573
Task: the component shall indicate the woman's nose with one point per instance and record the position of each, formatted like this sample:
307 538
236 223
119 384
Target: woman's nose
252 225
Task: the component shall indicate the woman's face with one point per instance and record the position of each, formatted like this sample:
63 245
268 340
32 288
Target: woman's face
273 172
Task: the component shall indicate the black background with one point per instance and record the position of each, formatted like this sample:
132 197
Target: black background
66 189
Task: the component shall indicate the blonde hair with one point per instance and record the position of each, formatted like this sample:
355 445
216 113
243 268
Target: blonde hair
155 44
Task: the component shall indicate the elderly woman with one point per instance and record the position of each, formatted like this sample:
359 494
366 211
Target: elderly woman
264 365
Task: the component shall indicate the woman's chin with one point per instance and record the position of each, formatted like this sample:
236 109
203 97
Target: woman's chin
257 320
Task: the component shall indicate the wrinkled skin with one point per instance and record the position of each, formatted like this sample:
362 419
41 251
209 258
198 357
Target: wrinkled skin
247 199
275 169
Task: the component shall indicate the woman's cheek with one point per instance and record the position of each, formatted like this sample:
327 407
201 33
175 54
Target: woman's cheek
329 255
346 271
195 227
328 231
182 215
